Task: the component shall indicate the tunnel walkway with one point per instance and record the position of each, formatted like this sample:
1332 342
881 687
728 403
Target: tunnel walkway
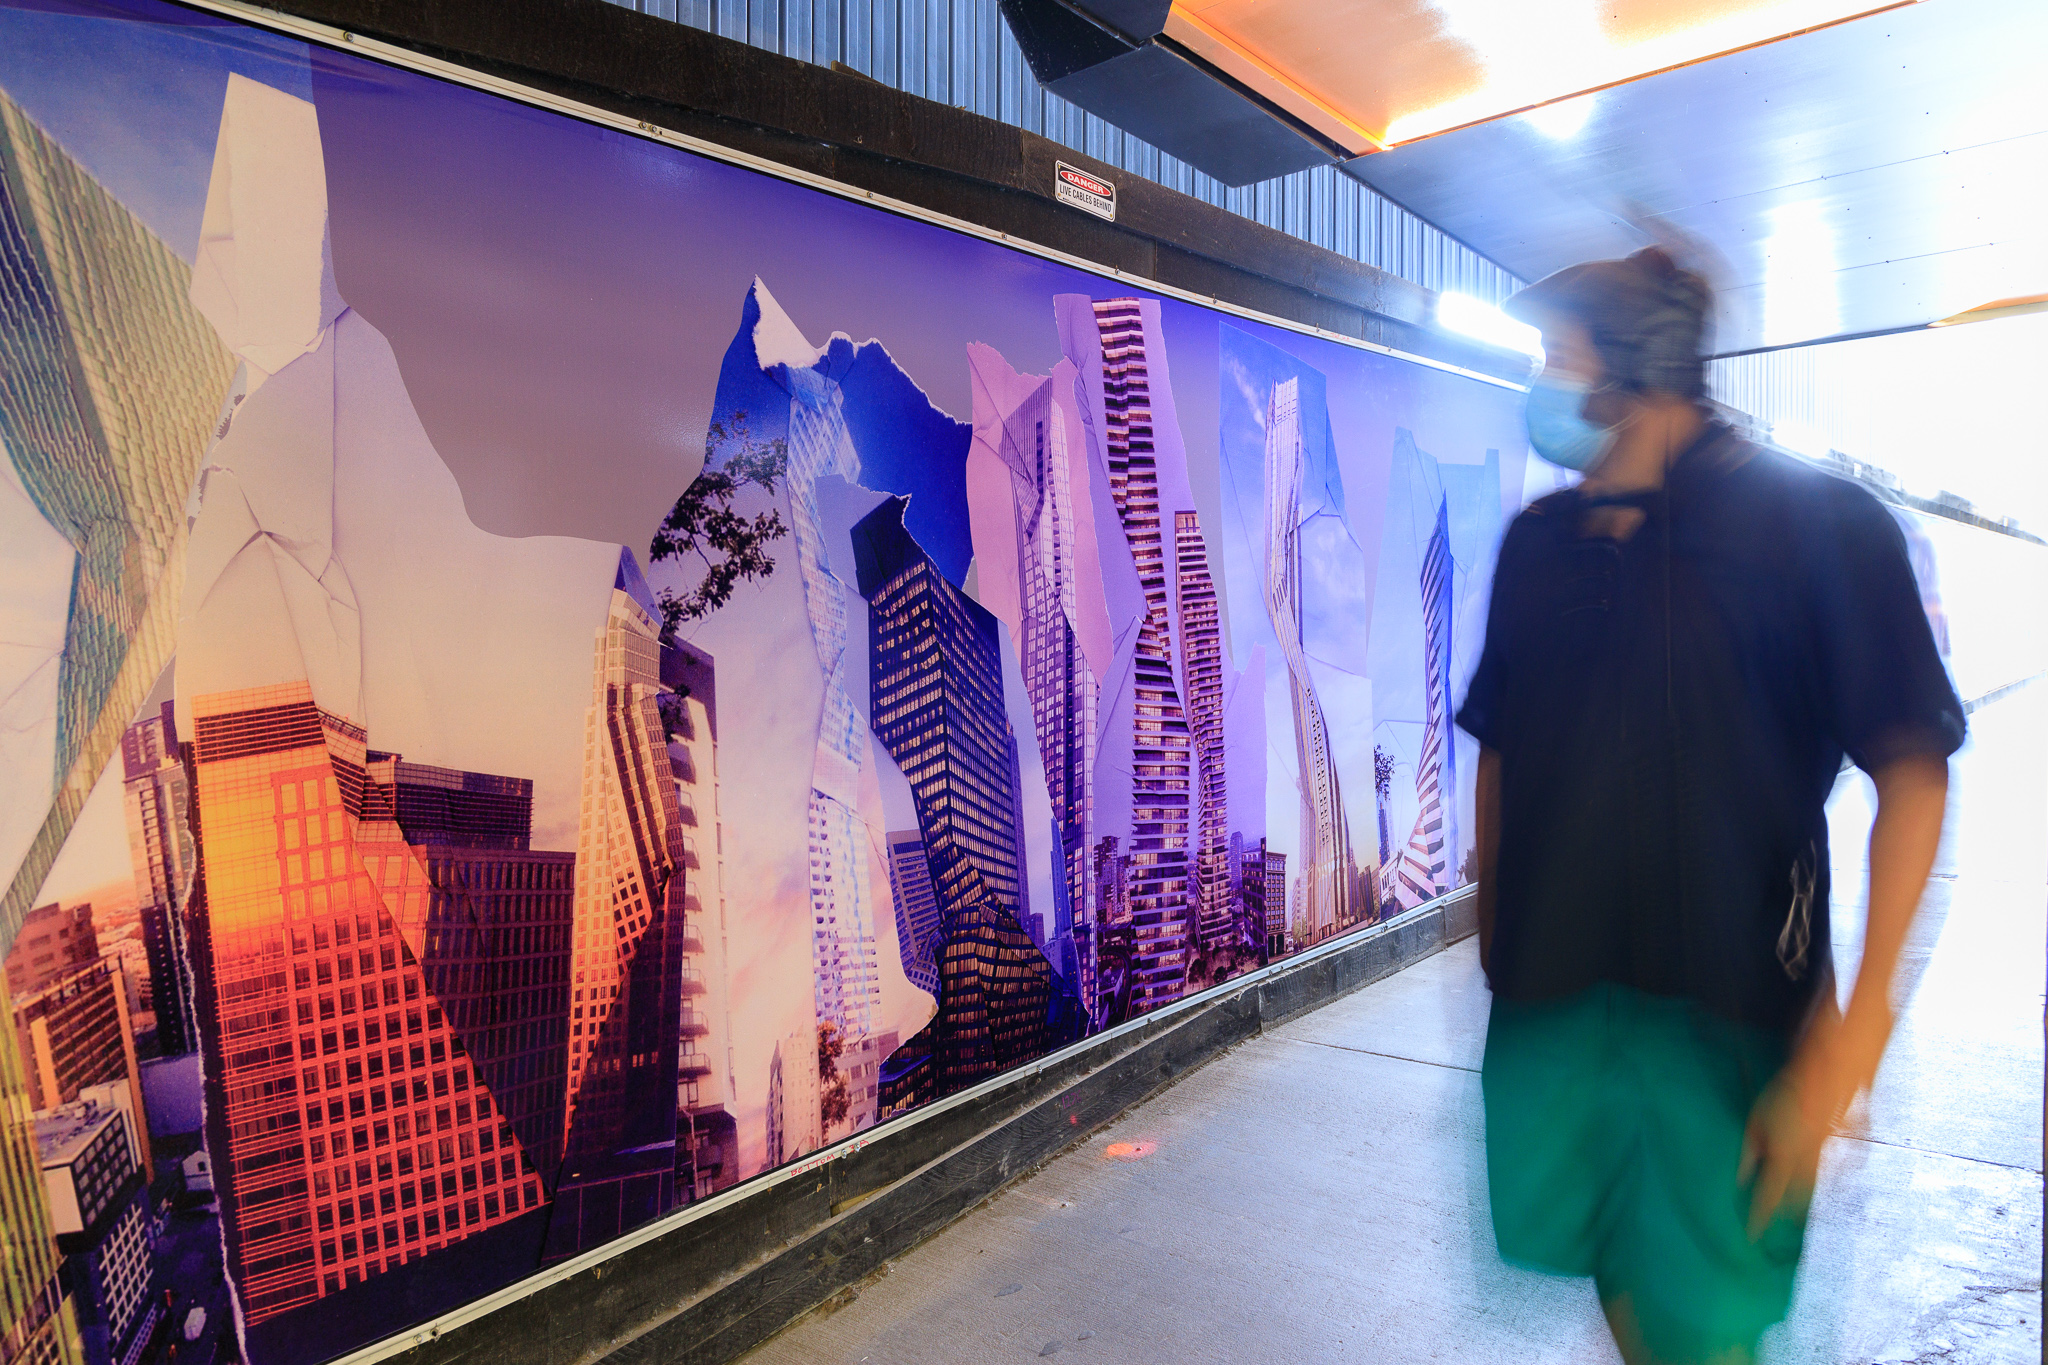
1318 1194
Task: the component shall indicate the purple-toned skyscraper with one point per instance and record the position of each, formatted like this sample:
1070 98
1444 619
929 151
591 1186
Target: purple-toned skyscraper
1034 543
1202 671
1117 350
1424 871
1329 902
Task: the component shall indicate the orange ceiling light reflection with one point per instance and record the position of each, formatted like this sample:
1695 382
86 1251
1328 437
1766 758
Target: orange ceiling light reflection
1370 74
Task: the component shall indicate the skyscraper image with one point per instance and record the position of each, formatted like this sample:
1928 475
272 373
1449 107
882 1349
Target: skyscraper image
1018 420
1164 935
846 971
113 384
861 1064
707 1131
1201 670
75 1033
1113 953
1330 893
97 1178
1263 889
937 700
38 1322
918 925
350 1127
488 921
1276 901
1442 520
1424 871
55 940
629 980
794 1126
154 796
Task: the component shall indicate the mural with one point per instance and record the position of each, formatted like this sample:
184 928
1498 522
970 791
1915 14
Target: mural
518 721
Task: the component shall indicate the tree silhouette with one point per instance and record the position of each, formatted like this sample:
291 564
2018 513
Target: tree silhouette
835 1098
733 546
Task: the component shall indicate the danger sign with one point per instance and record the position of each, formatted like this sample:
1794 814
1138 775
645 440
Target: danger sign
1089 193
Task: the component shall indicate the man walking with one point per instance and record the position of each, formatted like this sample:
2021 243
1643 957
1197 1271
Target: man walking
1680 652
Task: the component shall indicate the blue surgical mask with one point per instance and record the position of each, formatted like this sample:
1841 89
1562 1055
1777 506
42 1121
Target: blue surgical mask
1558 430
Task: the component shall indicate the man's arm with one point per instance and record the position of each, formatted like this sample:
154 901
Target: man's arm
1486 803
1838 1056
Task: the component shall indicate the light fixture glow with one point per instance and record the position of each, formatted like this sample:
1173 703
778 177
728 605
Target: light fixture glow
1800 298
1467 316
1332 65
1561 121
1801 439
1533 52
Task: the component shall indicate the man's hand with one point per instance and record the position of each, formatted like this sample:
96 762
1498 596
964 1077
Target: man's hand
1840 1051
1781 1146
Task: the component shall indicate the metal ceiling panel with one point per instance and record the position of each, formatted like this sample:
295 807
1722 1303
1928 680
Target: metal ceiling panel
1182 109
1150 88
1874 175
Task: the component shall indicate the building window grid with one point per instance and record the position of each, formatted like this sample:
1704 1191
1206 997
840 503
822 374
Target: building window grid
358 1121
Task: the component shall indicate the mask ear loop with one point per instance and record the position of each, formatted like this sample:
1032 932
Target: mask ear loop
1614 432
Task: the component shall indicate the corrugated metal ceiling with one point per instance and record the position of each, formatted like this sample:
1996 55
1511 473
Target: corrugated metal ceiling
960 53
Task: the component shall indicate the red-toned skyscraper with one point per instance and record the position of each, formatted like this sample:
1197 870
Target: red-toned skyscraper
355 1000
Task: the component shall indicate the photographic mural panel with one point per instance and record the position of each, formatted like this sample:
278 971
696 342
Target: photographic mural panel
548 675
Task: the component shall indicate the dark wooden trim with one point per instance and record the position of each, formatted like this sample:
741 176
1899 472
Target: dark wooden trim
857 131
721 1284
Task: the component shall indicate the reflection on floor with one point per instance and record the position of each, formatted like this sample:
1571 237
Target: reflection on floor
1318 1194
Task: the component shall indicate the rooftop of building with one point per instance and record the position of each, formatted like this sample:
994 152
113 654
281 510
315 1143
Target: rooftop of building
63 1134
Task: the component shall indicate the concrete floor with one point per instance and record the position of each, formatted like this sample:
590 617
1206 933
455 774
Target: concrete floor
1318 1194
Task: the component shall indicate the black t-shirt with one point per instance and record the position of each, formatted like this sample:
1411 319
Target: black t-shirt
1671 711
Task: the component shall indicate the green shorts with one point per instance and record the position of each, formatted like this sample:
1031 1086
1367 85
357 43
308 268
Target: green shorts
1614 1124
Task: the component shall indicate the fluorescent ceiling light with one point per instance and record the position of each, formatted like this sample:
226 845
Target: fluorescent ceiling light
1467 316
1375 73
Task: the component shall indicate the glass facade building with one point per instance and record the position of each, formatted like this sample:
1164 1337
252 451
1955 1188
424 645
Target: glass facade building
110 385
97 1182
1424 870
1201 670
38 1323
155 797
351 1129
1028 424
1164 937
1330 899
917 908
935 680
636 955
